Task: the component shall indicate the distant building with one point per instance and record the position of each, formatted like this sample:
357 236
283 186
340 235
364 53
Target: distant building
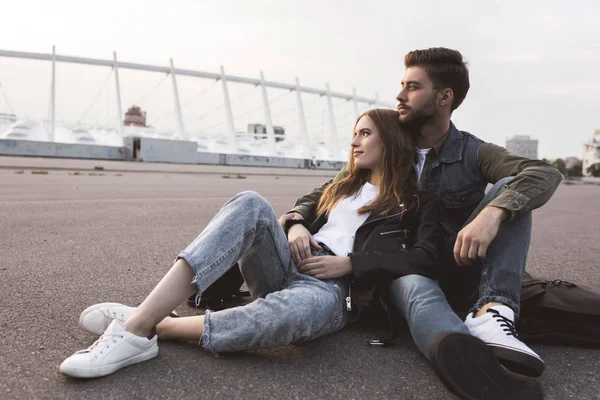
523 145
260 131
591 152
135 117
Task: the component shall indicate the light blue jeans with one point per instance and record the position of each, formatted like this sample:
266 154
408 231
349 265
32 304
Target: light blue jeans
497 279
289 307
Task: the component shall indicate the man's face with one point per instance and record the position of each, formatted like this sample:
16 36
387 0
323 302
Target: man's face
417 98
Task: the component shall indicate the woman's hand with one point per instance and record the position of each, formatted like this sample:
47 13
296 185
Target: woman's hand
326 267
300 241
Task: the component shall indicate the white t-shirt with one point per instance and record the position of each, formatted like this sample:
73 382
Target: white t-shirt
422 154
343 222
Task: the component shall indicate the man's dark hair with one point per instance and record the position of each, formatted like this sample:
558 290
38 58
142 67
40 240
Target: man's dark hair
446 69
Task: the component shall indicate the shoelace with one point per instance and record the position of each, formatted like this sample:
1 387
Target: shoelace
102 342
507 324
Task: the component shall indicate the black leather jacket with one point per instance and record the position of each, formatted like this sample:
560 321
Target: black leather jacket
390 246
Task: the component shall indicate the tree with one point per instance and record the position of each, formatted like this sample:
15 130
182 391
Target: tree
576 170
594 170
559 164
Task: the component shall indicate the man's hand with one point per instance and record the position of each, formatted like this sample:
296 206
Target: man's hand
326 267
300 241
285 217
474 239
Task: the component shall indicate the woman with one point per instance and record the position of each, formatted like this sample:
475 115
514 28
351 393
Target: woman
371 227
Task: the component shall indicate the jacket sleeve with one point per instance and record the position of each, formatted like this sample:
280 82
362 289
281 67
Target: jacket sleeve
533 184
422 258
307 204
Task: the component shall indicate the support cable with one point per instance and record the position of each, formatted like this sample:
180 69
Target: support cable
152 89
96 97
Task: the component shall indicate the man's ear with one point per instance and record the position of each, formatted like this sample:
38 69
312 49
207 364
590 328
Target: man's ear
446 97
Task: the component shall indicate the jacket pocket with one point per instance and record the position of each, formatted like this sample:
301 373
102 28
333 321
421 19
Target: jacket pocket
464 197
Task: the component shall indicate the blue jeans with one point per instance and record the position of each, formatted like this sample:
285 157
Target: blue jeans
427 308
289 307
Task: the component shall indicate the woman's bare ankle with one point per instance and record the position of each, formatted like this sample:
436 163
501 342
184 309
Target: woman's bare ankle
163 329
138 326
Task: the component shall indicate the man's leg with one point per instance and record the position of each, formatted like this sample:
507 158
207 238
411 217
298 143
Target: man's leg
465 364
425 309
499 277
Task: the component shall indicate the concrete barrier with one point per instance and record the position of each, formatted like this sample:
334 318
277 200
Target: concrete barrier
13 147
161 150
263 161
325 164
156 150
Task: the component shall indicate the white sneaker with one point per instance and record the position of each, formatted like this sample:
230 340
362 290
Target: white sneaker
97 318
115 349
497 329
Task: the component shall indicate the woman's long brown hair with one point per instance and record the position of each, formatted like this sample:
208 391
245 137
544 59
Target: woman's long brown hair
398 182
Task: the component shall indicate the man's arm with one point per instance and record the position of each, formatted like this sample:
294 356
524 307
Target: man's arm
300 239
306 205
533 184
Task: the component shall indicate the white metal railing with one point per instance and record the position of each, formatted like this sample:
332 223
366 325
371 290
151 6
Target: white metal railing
115 64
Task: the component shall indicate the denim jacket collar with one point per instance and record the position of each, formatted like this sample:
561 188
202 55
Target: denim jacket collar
453 145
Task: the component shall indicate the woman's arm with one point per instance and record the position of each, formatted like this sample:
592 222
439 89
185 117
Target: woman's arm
422 258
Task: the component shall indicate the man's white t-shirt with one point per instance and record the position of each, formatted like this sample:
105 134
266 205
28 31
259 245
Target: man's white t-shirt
421 154
343 222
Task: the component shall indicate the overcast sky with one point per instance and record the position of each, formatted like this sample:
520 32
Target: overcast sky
534 65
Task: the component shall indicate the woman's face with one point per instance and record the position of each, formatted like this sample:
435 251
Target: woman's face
367 148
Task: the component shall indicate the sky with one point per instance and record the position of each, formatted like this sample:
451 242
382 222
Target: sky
534 65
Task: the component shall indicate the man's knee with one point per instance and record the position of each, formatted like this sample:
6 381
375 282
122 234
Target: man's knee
411 289
498 187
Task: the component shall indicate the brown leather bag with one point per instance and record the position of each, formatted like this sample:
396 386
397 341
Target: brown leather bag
559 312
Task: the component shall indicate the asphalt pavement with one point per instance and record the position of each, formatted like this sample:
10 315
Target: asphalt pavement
77 232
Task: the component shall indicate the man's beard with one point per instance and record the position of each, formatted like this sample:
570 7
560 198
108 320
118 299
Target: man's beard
420 117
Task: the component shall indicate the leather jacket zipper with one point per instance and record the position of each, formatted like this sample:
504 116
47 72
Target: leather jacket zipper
349 298
405 231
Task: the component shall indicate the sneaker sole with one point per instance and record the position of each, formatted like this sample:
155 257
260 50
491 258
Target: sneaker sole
470 370
518 361
93 308
107 369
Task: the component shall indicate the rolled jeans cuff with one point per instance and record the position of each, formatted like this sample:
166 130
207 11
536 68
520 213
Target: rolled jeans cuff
205 339
497 299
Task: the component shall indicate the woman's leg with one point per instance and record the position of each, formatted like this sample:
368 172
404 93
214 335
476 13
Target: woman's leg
245 226
246 230
305 310
183 328
170 292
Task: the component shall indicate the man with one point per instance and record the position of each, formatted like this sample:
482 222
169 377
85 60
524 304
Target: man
486 244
